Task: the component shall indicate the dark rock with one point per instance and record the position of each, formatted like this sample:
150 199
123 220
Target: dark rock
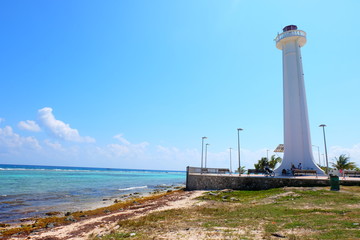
107 211
278 235
67 214
70 218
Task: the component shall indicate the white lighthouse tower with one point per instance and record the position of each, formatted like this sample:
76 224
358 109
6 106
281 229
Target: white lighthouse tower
297 142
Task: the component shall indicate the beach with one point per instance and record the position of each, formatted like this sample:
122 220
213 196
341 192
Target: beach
286 213
106 222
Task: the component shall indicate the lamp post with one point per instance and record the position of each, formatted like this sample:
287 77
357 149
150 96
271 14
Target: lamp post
230 161
206 154
327 162
318 153
202 152
238 132
267 154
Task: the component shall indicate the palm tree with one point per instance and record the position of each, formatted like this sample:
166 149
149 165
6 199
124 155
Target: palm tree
343 163
261 164
242 169
274 160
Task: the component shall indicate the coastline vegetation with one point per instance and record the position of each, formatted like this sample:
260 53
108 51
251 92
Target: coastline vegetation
59 219
291 213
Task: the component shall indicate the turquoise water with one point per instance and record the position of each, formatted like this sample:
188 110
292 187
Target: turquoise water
28 191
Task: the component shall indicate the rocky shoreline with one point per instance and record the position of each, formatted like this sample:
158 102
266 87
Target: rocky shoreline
129 205
29 214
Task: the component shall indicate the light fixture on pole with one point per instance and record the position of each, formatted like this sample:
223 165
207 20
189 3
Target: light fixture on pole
230 161
318 153
206 154
238 132
202 152
327 162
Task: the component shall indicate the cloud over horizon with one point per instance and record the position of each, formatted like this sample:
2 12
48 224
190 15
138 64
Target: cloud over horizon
10 141
60 129
29 125
117 151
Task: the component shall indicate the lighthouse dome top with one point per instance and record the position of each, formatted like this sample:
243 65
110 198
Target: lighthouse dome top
289 27
290 33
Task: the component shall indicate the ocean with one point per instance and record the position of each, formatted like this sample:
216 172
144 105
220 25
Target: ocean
32 191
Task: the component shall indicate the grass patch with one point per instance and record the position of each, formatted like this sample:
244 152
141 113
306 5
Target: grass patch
296 213
240 196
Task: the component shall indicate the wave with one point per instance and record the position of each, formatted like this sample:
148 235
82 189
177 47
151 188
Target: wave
131 188
42 169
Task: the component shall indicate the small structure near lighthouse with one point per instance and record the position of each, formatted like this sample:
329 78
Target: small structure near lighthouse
297 142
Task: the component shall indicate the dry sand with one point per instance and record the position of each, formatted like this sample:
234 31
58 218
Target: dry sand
99 225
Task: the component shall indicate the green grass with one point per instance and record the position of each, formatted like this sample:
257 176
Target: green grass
240 196
297 213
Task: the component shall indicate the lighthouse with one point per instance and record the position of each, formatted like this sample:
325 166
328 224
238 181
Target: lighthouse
297 142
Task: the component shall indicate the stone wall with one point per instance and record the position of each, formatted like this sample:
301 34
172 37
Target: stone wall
217 182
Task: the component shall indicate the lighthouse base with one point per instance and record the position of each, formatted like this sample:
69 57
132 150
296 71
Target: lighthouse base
304 164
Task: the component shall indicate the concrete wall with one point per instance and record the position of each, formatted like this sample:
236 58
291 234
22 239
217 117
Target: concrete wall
217 182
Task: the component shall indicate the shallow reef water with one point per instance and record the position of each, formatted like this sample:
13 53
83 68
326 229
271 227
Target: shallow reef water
31 191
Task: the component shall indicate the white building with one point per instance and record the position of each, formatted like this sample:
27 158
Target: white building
297 141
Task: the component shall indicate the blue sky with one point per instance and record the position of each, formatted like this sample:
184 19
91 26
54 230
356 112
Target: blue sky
136 84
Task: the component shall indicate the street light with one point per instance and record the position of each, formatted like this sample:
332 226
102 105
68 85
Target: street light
202 152
230 161
206 154
238 132
327 162
318 153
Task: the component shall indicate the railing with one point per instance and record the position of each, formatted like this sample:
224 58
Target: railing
290 33
208 170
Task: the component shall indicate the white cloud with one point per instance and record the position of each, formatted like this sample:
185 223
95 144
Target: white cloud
118 150
29 125
122 139
60 129
10 140
2 120
126 148
54 145
353 153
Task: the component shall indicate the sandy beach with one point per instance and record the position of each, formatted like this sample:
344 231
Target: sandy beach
107 222
288 213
